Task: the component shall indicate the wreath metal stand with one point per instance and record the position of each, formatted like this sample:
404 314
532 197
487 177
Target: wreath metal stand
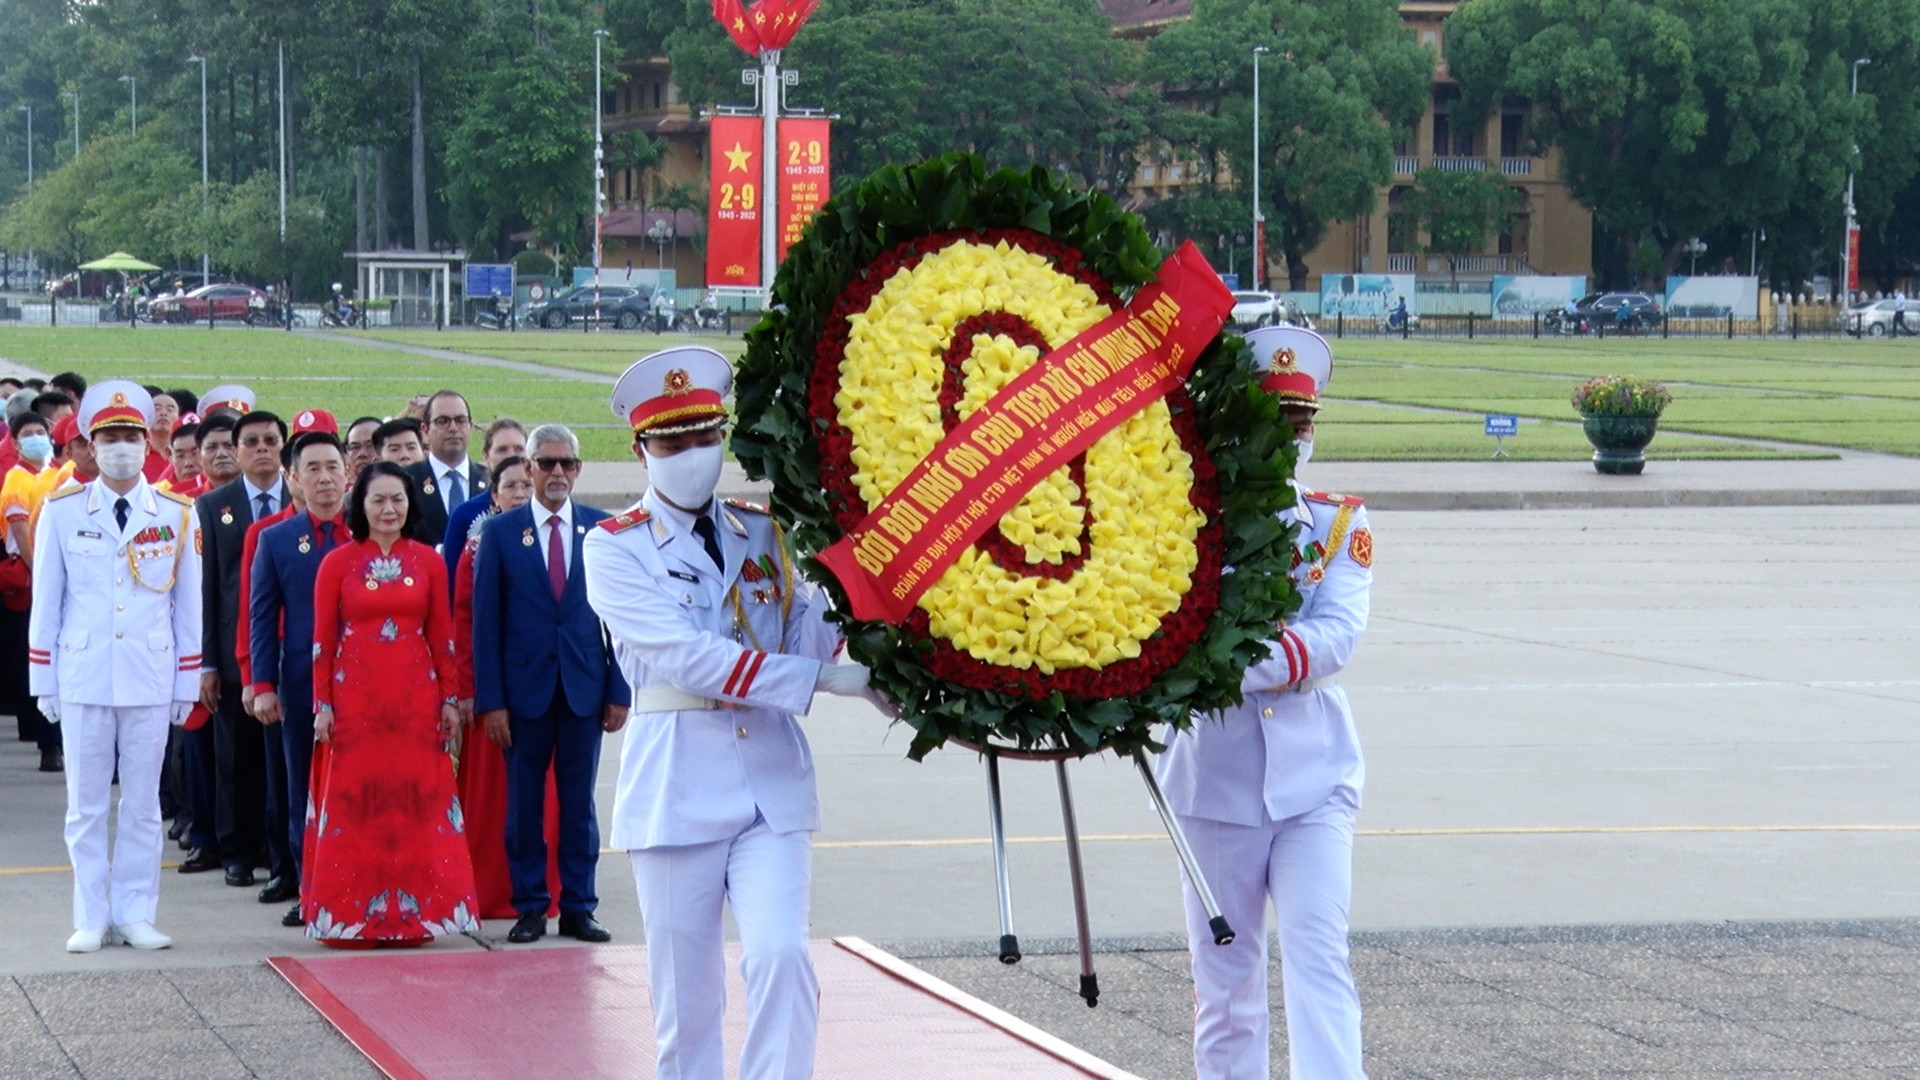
997 830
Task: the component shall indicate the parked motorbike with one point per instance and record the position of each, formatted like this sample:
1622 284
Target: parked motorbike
495 316
1560 322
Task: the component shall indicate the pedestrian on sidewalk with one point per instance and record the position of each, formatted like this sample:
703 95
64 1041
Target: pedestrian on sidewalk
114 656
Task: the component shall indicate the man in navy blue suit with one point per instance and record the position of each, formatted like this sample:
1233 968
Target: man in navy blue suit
280 619
545 684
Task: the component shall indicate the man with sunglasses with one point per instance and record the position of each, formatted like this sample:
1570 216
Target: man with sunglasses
546 685
446 479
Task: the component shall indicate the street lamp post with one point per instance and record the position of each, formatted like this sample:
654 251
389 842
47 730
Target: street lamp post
1259 220
1849 250
28 109
133 102
206 254
75 95
1694 247
599 171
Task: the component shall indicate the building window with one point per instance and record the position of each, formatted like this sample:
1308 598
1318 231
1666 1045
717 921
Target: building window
1450 139
656 96
1514 240
1513 128
609 102
1399 235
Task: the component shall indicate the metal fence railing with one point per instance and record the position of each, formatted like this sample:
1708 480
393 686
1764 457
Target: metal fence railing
1537 326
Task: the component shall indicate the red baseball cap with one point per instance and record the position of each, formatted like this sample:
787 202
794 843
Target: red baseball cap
65 430
315 420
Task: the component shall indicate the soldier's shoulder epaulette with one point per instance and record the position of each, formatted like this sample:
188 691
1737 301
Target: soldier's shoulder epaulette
174 496
70 488
751 507
1335 500
623 522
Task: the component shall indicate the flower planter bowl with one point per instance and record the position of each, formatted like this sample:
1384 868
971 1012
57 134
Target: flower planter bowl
1619 442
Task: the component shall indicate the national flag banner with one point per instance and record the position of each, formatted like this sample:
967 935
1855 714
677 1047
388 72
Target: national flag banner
733 201
776 21
732 16
804 175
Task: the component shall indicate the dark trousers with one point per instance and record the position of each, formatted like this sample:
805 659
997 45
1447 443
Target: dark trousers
14 695
239 780
173 774
570 744
274 818
296 744
198 765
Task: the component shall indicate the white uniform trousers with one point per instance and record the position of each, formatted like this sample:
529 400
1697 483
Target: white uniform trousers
126 889
1304 865
767 879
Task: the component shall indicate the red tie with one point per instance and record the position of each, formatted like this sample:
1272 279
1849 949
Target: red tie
556 559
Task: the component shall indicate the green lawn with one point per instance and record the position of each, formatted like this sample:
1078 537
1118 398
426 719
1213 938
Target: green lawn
1390 399
1862 395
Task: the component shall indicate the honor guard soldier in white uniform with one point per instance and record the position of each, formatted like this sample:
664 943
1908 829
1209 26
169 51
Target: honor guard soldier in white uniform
723 646
114 651
1267 791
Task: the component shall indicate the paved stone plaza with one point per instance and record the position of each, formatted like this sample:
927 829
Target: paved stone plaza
1640 803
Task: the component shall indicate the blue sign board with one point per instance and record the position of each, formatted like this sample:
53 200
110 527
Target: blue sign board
489 279
1231 281
1501 427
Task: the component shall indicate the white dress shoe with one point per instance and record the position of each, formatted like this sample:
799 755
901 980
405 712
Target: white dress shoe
86 940
142 935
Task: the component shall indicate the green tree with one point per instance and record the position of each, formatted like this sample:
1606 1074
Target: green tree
1682 118
1340 85
1453 213
121 193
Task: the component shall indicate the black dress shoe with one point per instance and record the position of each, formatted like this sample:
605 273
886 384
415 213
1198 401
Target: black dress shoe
292 917
279 890
582 927
52 761
240 876
179 827
527 928
199 862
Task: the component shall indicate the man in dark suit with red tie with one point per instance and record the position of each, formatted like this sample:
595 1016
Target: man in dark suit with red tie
285 562
545 684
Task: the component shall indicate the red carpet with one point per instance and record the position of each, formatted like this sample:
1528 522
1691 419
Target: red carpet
584 1013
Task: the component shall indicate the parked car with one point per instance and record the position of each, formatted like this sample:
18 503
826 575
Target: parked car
622 305
1252 307
1874 318
1603 310
228 301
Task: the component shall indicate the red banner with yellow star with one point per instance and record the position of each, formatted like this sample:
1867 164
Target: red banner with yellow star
804 175
734 201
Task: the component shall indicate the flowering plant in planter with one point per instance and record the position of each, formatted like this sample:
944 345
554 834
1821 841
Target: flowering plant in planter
1621 395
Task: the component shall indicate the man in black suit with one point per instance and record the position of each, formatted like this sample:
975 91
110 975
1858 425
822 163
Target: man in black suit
239 746
446 479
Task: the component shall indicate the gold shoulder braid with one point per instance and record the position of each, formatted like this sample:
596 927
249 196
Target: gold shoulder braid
1337 535
179 552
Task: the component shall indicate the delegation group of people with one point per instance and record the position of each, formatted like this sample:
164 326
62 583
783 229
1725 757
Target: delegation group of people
428 722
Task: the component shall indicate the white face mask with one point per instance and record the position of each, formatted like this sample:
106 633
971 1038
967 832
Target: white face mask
1306 453
687 478
120 460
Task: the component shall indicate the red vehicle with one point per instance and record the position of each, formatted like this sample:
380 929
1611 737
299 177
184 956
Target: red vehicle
229 301
89 284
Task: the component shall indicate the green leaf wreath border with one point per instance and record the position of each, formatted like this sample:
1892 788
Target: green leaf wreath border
1252 453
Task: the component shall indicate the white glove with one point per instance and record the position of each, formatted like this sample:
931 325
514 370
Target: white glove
846 680
50 708
180 711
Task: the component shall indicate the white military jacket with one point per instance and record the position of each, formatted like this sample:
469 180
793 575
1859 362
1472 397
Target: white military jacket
719 665
1291 744
116 613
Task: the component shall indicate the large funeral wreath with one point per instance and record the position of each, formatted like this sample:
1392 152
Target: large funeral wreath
1127 589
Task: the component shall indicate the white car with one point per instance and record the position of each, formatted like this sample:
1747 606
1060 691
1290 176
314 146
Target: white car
1875 318
1254 308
